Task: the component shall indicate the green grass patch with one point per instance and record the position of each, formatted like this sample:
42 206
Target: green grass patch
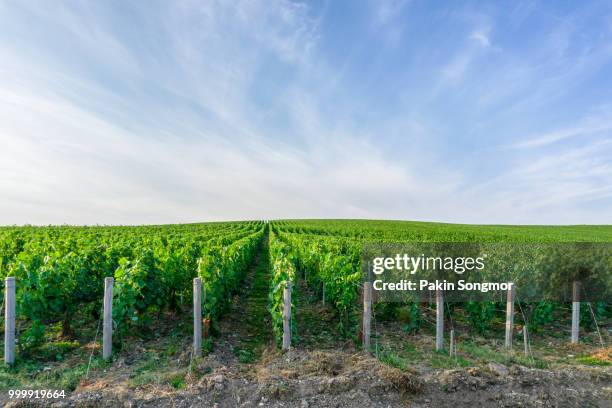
485 354
31 374
441 359
394 360
54 351
245 356
412 353
593 361
177 381
147 372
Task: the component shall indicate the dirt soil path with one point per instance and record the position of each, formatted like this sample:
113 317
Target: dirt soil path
246 329
316 323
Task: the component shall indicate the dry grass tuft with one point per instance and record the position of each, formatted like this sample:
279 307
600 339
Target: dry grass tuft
323 363
404 382
603 354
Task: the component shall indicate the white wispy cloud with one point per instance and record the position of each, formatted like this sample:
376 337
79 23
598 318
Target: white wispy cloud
588 126
388 10
559 188
195 111
456 68
78 151
481 36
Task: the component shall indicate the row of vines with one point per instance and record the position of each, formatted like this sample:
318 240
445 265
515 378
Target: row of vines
327 256
60 272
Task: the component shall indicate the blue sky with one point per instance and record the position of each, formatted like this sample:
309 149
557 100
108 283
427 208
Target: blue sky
154 112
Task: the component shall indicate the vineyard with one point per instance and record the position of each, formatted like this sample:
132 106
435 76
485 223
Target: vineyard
246 270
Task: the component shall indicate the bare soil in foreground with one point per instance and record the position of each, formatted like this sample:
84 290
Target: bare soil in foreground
301 378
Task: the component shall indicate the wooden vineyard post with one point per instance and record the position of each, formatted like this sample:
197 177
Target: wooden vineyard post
526 341
509 317
107 325
9 320
197 317
575 312
439 320
367 314
206 321
451 350
287 316
323 301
